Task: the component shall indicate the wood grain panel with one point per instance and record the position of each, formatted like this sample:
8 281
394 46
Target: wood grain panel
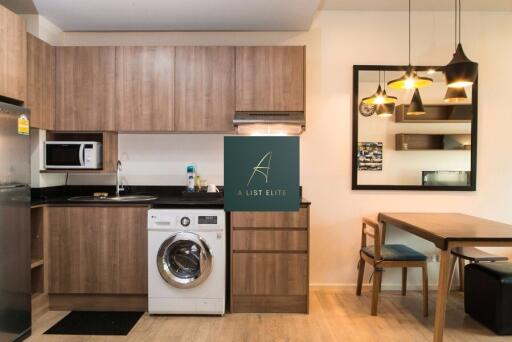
205 89
270 240
145 88
270 219
270 304
13 55
270 274
85 78
270 78
40 83
98 250
110 154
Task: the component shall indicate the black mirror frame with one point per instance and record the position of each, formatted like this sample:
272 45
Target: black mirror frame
355 118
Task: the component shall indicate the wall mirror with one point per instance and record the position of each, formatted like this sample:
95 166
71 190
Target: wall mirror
414 138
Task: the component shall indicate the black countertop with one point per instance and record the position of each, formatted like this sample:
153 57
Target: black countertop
168 196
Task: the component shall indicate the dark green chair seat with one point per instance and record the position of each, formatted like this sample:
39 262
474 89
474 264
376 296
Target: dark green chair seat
395 253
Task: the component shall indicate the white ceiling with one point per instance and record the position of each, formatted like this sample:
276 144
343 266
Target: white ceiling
179 15
417 5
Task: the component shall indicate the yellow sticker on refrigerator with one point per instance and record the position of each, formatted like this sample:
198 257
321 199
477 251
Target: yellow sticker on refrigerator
23 125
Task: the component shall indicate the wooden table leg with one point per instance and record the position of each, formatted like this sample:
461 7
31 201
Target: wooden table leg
453 261
442 294
462 263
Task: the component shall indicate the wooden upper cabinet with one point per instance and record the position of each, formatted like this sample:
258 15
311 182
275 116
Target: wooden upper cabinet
85 79
145 88
205 89
40 83
270 78
13 55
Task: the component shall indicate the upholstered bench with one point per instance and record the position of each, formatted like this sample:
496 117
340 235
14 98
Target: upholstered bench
488 295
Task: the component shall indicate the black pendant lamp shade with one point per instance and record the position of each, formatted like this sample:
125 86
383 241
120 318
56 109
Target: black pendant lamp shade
380 96
385 110
416 106
460 72
410 80
455 95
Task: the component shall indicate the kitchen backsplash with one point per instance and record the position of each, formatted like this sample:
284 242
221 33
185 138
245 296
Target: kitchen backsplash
162 159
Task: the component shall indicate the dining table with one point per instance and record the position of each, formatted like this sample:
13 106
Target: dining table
448 231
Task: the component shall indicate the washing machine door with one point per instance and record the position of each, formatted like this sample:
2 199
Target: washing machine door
184 260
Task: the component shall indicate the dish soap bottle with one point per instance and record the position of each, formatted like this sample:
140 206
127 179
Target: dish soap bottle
191 177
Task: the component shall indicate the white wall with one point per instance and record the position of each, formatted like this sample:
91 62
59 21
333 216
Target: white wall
336 41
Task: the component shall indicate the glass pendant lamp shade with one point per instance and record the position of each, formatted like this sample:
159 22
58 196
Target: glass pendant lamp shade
455 95
385 110
460 72
416 105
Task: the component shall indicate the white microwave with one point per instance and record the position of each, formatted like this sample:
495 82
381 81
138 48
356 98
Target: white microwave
72 155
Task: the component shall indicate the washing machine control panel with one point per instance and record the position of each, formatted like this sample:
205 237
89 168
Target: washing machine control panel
185 221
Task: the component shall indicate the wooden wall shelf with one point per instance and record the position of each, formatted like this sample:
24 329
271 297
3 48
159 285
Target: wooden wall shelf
425 142
109 146
452 113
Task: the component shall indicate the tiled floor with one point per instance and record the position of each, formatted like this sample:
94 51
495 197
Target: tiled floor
336 315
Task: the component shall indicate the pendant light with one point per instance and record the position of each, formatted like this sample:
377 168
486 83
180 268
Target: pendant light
410 80
460 72
385 110
380 96
455 95
416 105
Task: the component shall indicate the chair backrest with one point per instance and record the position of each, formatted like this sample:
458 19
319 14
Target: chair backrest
371 228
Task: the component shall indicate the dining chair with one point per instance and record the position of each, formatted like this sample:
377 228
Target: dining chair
381 256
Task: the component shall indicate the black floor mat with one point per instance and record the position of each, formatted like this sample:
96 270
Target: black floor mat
95 323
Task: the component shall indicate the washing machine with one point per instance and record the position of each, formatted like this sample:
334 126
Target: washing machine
186 261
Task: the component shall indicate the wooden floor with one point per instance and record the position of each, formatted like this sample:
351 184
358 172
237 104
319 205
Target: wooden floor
336 315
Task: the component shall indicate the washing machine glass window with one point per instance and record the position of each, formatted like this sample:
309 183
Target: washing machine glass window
184 260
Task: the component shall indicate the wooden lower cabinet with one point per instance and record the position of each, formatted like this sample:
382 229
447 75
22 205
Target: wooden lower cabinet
98 251
270 261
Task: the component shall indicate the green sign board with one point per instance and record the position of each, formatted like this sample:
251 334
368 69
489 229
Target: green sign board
261 174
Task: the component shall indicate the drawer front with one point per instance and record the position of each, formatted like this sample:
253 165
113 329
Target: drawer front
270 240
270 274
270 219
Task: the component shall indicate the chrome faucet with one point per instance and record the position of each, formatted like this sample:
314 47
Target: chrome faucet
119 185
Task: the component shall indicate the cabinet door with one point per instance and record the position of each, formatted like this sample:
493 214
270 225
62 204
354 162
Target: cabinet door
97 250
205 89
85 88
145 88
270 78
13 55
41 83
270 274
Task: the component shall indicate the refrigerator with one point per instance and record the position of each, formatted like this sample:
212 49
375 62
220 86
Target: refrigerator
15 284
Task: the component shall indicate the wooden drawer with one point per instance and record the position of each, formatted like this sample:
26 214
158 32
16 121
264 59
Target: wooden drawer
270 240
270 219
270 274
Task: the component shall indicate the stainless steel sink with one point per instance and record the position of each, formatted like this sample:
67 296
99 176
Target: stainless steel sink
131 198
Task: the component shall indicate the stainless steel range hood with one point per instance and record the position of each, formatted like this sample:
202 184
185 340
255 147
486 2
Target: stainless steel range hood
269 123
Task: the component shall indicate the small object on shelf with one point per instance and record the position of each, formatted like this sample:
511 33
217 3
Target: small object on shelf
101 194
